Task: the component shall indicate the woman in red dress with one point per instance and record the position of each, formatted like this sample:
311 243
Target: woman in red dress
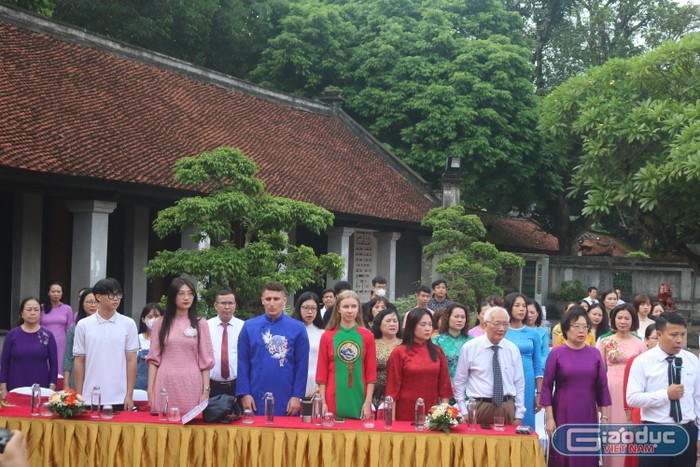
417 368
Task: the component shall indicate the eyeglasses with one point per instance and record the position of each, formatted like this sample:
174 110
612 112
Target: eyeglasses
580 327
496 324
226 304
115 296
90 302
185 294
309 308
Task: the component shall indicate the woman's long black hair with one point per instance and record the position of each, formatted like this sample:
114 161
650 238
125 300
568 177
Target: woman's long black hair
46 304
171 310
414 317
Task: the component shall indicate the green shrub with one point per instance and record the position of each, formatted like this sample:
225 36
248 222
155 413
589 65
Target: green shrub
569 291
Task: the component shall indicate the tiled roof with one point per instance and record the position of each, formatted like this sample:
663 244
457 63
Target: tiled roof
598 244
75 109
517 234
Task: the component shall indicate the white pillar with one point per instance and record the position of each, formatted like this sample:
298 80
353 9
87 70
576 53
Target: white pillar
339 243
135 260
386 259
26 247
90 235
427 268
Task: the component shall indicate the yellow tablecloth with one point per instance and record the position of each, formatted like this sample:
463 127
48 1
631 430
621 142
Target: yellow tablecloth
78 443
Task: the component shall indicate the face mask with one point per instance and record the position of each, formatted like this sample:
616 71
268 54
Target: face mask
380 292
149 323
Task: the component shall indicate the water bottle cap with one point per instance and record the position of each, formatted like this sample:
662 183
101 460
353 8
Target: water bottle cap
95 388
420 401
268 394
163 391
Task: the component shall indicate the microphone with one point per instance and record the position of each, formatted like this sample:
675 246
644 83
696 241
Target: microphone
678 362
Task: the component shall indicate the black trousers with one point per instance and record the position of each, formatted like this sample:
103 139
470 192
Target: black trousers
686 459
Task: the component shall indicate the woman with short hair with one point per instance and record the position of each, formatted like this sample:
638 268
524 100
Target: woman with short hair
452 333
575 384
387 334
29 353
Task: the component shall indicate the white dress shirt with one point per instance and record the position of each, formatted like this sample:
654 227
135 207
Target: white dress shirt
217 333
474 374
648 383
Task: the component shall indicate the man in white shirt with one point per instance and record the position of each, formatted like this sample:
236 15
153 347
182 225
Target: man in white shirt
477 373
105 349
223 377
651 386
592 296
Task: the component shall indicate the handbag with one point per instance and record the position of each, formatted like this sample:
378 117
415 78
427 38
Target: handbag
223 409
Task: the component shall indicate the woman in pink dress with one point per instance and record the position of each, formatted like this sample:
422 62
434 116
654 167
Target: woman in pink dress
181 352
616 349
57 317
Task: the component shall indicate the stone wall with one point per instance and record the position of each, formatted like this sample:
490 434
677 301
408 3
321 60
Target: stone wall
633 276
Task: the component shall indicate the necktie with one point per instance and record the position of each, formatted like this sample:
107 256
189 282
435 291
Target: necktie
675 405
225 373
497 378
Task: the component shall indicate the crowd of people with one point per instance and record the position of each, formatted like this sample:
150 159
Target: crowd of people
354 355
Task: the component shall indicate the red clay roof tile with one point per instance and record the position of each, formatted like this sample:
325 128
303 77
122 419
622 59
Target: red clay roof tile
71 109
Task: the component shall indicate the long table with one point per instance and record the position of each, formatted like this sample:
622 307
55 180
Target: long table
137 439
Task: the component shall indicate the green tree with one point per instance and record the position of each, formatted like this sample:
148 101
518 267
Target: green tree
429 79
470 265
43 7
572 35
636 123
226 35
246 227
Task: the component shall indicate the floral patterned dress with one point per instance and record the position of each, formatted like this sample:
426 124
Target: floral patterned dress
451 345
615 353
383 352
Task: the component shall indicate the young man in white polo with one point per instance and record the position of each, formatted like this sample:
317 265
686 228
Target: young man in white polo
105 348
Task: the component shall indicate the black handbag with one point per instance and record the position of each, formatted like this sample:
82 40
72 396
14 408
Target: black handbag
222 408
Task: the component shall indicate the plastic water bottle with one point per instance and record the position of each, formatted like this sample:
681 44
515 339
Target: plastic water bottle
420 415
95 402
388 412
472 405
163 404
317 410
269 408
36 400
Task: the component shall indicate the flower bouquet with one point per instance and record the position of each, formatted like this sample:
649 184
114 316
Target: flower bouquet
612 349
443 417
67 403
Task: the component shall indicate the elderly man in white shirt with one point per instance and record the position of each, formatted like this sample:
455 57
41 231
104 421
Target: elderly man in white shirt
480 361
653 387
224 329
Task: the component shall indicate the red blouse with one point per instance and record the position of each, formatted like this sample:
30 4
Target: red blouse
411 374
